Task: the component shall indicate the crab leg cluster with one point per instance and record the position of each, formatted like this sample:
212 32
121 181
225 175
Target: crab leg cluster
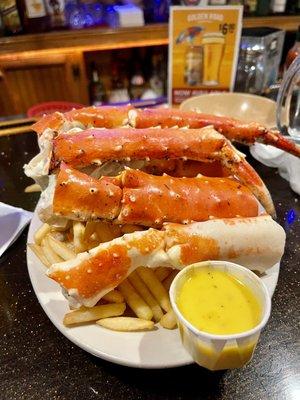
173 174
95 146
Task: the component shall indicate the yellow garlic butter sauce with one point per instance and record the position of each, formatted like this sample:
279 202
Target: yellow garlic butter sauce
214 301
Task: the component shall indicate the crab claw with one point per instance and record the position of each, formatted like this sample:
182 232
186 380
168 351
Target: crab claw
97 146
235 162
234 130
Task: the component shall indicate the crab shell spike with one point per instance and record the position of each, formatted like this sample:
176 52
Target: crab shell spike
90 275
203 145
234 130
100 117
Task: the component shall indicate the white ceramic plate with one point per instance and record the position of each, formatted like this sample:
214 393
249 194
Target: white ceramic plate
156 349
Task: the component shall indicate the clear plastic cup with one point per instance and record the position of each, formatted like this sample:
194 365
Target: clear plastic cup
216 352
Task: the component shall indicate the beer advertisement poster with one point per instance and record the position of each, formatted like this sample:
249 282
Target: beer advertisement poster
203 50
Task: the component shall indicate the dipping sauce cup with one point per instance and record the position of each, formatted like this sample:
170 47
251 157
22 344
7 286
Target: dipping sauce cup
217 352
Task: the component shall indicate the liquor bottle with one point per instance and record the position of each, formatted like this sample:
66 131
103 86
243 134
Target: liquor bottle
155 81
10 17
97 90
291 7
119 92
162 66
56 11
93 13
263 7
156 10
250 7
137 82
294 51
74 14
278 6
33 15
1 26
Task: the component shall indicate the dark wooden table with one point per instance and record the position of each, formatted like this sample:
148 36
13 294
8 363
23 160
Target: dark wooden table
37 362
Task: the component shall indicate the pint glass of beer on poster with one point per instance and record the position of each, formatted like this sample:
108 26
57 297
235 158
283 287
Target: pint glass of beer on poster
213 50
193 65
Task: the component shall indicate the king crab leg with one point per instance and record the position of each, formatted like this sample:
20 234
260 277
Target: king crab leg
92 274
234 130
135 197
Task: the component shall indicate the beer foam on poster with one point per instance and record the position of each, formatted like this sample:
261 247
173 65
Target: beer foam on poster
203 50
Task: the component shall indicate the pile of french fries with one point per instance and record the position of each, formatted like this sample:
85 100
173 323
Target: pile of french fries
136 304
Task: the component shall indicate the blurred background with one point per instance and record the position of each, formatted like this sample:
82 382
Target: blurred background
112 52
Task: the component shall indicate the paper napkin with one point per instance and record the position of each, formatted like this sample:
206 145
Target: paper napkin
287 164
12 222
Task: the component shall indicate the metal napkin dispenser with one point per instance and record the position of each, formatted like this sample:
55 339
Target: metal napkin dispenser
259 59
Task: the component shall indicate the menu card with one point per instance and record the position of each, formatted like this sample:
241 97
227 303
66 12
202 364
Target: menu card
203 50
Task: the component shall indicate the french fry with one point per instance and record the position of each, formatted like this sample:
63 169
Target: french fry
142 289
114 296
51 256
168 321
162 272
41 233
32 188
134 300
62 228
107 232
126 324
78 232
38 251
61 248
131 228
58 235
155 287
90 229
94 313
168 281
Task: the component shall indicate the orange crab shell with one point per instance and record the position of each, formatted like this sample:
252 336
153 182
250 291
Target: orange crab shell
102 117
135 197
151 200
79 194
